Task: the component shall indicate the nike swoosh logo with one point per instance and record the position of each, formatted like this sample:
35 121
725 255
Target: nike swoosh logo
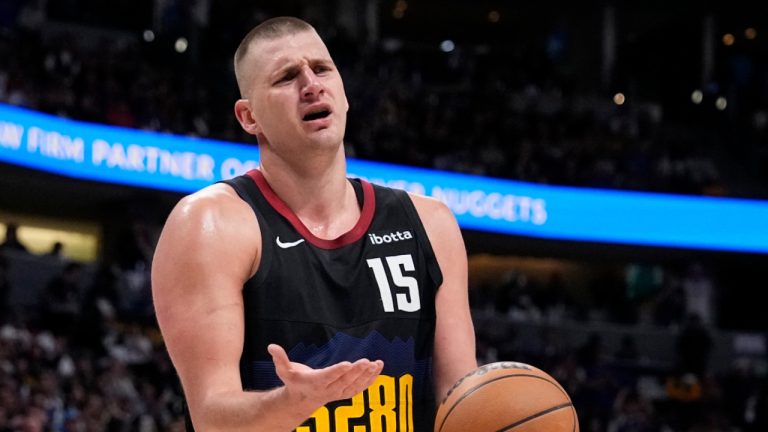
286 245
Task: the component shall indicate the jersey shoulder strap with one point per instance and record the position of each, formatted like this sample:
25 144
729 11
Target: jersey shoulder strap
247 190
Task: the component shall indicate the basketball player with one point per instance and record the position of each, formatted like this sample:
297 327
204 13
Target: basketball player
293 297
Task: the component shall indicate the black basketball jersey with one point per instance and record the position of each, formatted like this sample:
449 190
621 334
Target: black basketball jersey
367 294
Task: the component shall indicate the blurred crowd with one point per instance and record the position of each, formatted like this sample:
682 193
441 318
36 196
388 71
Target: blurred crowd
83 352
515 113
643 354
626 390
88 357
53 382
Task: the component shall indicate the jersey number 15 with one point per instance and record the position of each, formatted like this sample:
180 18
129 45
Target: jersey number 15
397 264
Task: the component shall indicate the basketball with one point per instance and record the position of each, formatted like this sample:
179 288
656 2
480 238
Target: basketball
506 396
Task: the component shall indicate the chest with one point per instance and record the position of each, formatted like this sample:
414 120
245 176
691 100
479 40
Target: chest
383 275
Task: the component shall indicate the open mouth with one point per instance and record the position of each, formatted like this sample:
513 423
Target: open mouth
317 115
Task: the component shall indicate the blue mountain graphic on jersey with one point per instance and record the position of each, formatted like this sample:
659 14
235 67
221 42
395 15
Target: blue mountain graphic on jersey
397 354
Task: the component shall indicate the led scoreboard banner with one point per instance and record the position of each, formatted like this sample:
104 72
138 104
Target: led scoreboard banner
183 164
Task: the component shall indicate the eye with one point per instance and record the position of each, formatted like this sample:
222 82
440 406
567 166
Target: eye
285 78
319 69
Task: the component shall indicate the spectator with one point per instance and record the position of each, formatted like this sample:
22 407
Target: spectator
56 251
12 241
5 292
700 294
632 414
760 411
99 308
694 345
62 300
627 353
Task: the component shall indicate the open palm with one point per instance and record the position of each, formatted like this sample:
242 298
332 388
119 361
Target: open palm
320 386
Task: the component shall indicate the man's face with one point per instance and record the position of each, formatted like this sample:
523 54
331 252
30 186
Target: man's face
295 93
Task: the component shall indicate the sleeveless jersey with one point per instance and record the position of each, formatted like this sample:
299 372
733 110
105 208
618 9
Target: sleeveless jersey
367 294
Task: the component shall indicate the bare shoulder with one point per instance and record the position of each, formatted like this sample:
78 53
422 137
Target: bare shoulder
213 213
443 232
209 230
216 201
435 215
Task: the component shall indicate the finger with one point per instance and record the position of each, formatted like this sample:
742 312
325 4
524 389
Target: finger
379 366
367 371
339 388
334 372
357 369
366 378
278 354
374 371
279 358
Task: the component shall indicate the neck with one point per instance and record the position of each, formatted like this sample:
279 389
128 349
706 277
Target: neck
316 190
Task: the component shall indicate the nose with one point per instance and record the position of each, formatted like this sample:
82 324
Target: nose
311 84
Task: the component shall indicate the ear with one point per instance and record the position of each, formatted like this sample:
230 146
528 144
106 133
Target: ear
245 117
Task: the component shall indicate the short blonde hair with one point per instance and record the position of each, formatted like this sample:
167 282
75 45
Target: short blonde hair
272 28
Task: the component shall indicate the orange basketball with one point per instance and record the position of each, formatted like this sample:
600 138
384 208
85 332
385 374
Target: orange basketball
506 396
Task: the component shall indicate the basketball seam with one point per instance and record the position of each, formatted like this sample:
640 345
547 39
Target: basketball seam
473 389
538 414
573 410
575 419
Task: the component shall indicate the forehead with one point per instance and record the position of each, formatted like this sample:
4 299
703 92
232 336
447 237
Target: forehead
273 54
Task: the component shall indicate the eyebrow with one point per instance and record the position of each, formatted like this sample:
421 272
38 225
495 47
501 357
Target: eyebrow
285 69
293 66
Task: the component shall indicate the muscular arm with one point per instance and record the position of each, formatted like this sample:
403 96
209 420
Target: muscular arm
454 352
209 247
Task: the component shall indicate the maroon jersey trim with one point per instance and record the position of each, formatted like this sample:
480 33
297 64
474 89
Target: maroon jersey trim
351 236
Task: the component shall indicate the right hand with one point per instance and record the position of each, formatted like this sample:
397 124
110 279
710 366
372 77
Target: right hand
317 387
